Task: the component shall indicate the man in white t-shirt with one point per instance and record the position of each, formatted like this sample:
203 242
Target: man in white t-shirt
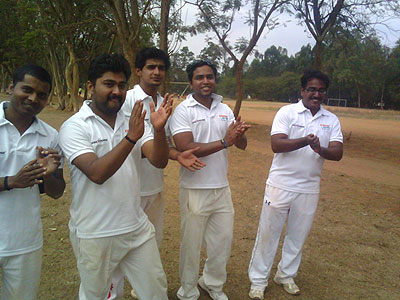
151 65
203 121
30 164
303 135
103 146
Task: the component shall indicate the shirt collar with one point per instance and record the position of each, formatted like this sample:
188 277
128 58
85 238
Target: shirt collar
193 102
301 108
36 125
87 112
141 94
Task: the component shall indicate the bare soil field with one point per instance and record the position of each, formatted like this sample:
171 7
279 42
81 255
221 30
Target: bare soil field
353 248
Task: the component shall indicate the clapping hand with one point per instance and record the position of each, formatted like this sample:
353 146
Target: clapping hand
159 118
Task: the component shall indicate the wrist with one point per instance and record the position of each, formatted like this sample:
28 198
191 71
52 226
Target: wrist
6 184
224 144
131 140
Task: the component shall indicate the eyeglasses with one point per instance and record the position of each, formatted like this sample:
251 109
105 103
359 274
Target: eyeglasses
314 91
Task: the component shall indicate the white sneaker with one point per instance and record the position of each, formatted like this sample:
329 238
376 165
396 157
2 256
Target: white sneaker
213 294
290 288
256 294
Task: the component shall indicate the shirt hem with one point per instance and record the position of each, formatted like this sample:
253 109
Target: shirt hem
21 251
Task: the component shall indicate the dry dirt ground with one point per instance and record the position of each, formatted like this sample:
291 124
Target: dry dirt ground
353 248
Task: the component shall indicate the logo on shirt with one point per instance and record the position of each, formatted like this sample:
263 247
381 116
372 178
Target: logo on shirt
99 141
325 127
2 153
223 117
197 121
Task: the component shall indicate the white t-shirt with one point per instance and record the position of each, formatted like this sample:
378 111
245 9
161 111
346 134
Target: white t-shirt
300 170
20 223
206 125
152 178
113 207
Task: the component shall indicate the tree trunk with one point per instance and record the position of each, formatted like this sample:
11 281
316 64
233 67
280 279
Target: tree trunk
59 86
72 78
318 48
239 88
358 97
165 7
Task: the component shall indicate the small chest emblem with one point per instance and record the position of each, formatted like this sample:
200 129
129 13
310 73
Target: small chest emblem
223 117
325 127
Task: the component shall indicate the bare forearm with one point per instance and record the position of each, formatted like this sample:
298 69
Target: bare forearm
331 153
160 150
241 143
280 145
205 148
173 153
102 168
54 185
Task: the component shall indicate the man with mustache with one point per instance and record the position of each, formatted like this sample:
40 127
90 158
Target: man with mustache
151 66
303 135
203 121
30 164
103 146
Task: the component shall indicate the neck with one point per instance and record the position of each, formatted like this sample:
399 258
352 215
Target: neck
205 100
109 119
150 90
22 123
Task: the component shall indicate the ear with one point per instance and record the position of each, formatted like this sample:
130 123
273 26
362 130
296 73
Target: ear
138 72
90 87
11 87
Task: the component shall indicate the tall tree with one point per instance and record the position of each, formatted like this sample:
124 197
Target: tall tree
218 16
321 16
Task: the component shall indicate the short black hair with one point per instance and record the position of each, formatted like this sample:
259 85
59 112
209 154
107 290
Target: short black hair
151 53
115 63
33 70
311 74
199 63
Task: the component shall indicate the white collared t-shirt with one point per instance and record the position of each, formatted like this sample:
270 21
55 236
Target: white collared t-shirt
152 178
20 223
113 207
206 125
300 170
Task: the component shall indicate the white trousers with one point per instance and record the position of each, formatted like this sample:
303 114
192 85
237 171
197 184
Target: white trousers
279 205
153 206
135 253
21 275
206 216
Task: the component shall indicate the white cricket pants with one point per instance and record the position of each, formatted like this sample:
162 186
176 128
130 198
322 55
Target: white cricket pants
279 205
21 275
206 215
135 253
153 206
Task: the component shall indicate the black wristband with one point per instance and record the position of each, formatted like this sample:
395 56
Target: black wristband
130 140
6 187
224 143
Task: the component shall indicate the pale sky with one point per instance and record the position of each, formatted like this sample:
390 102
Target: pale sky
292 37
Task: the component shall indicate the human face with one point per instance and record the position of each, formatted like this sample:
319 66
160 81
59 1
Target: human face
109 92
203 82
313 100
29 97
152 74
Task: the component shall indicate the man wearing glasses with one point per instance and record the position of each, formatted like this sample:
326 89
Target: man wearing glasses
303 135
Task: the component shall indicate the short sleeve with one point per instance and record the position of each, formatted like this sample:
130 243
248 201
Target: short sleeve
180 120
336 133
129 102
147 135
74 141
281 123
